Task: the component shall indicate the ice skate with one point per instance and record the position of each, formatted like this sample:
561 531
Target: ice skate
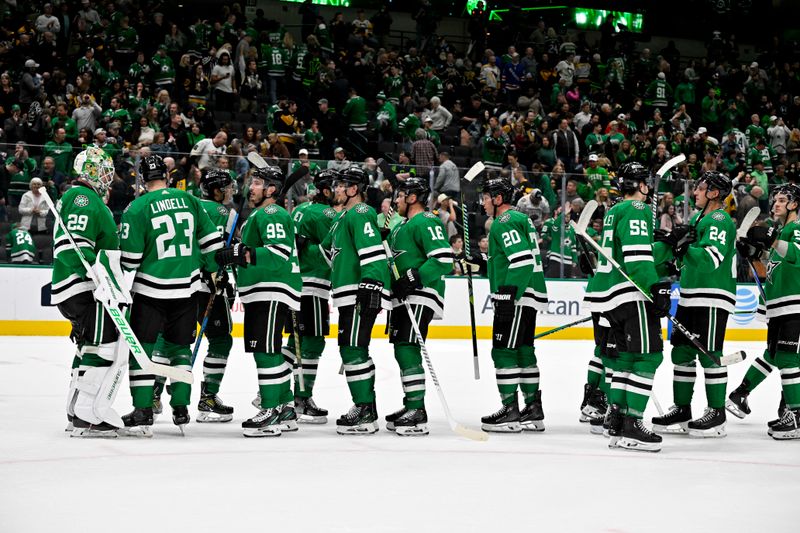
598 425
531 418
361 419
390 419
138 423
288 417
265 424
504 420
676 421
70 426
781 411
308 412
788 427
84 429
413 423
180 417
211 409
635 436
737 402
594 404
612 427
710 425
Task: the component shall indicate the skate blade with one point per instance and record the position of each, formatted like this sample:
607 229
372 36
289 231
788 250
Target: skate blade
390 426
638 446
89 433
712 433
205 417
136 431
508 427
361 429
182 427
288 426
412 431
674 429
784 435
733 409
533 425
70 428
271 431
584 419
613 442
596 430
590 412
308 419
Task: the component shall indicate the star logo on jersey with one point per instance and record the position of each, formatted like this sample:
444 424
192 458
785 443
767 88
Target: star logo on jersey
334 252
81 200
771 266
397 253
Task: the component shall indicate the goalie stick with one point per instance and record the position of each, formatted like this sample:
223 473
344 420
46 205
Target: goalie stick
457 428
118 317
725 360
471 174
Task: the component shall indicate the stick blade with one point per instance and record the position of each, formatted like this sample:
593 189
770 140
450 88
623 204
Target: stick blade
256 159
747 221
174 374
669 165
586 215
733 358
471 434
473 172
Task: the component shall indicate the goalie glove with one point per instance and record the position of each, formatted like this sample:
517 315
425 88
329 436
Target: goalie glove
503 302
406 284
368 298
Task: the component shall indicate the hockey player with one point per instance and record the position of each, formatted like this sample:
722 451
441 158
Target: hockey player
270 288
162 236
423 256
782 306
706 253
359 282
635 325
92 226
312 223
518 291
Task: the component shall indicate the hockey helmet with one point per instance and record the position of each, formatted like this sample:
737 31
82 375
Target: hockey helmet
631 175
717 181
790 190
499 186
354 176
270 176
152 167
325 179
94 167
214 179
414 185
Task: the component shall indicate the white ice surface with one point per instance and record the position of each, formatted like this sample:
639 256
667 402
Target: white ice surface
314 480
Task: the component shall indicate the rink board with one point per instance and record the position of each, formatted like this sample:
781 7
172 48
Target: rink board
25 309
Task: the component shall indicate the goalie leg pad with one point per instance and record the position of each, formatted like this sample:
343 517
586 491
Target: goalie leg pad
98 387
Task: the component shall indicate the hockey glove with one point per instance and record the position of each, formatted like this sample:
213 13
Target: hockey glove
235 255
662 298
408 283
748 249
300 241
679 239
369 298
503 302
224 287
762 236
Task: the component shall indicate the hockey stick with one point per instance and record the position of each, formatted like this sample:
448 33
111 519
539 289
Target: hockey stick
464 431
560 328
212 297
666 167
471 174
741 233
120 321
725 360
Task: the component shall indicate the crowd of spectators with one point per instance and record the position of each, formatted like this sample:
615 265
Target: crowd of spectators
555 109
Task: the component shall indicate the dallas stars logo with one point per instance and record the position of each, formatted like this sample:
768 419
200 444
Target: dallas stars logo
771 266
397 253
334 252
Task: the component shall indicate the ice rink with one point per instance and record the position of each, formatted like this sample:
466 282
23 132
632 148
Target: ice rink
213 479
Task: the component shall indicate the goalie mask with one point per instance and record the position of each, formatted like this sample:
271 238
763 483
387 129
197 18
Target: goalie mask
95 168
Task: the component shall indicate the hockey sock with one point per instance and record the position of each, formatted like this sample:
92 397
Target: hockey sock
757 372
157 356
683 375
789 365
528 373
179 356
640 382
619 377
360 372
594 375
312 350
215 361
506 372
608 376
274 376
141 382
716 381
411 373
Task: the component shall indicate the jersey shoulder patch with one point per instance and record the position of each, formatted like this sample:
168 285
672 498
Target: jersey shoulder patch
718 216
362 208
271 209
505 217
222 210
637 204
330 212
81 200
428 214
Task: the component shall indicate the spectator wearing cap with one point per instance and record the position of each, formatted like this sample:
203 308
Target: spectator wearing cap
101 141
33 208
87 114
659 93
433 85
385 117
596 176
14 125
30 85
536 206
411 123
446 209
329 127
448 179
762 153
423 153
303 160
778 135
431 134
339 161
60 150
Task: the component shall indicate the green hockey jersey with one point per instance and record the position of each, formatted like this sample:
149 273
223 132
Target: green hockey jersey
782 286
275 276
551 234
19 246
354 251
421 243
355 112
163 236
628 239
313 222
92 226
222 218
708 270
514 259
